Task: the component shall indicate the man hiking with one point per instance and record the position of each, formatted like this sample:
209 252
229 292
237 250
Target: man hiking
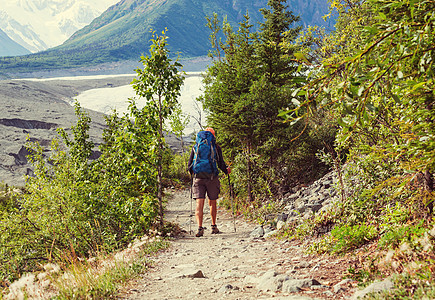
205 159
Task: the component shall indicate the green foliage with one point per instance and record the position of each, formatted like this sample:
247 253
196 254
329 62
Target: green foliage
394 236
377 74
77 207
176 171
347 237
159 82
178 122
407 286
374 74
8 198
86 281
247 86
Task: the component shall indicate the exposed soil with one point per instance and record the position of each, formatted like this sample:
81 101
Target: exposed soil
230 260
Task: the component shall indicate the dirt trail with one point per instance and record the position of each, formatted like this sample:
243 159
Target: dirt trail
232 265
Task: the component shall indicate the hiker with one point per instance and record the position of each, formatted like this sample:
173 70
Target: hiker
205 158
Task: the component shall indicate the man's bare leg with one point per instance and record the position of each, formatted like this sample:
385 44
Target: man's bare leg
213 213
199 214
213 210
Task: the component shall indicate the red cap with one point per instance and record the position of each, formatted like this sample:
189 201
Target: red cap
211 130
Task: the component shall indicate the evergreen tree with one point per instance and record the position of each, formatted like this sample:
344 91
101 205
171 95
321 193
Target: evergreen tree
247 87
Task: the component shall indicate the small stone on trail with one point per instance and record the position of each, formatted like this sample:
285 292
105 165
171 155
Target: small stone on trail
227 288
192 273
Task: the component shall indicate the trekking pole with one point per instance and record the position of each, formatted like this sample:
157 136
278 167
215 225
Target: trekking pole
191 200
232 201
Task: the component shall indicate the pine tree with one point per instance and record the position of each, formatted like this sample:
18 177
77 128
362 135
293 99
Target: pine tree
248 86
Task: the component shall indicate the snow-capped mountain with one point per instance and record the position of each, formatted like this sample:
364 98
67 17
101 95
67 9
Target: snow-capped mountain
10 48
41 24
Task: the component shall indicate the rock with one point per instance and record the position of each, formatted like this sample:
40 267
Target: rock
314 207
375 287
293 297
282 217
227 288
190 273
280 224
270 233
272 281
229 274
257 232
302 265
339 286
268 229
251 280
295 285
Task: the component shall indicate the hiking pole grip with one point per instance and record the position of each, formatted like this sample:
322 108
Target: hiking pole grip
232 200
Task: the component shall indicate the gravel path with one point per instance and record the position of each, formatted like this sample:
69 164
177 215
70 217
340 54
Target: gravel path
233 265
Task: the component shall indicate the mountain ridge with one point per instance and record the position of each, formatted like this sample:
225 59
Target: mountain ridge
123 31
8 46
39 25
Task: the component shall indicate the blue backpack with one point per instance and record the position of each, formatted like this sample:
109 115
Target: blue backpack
205 156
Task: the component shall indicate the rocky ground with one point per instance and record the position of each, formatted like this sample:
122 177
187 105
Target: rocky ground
237 264
34 110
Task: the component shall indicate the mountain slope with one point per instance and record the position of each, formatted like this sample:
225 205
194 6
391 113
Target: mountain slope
10 48
123 31
39 25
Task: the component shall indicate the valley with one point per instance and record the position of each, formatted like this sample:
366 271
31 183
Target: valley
34 108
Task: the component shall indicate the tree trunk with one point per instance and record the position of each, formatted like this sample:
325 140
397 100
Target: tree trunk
160 163
249 167
428 178
428 186
182 144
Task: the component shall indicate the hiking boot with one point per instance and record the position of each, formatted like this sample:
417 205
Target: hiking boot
200 232
214 229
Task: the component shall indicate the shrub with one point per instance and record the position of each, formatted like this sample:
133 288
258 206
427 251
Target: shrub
347 237
75 207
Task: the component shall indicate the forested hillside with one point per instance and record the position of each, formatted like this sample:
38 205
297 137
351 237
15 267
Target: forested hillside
288 106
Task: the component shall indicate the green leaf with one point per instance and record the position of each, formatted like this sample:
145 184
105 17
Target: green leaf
396 98
300 56
296 102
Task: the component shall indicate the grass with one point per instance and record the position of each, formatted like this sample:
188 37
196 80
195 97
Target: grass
103 280
96 278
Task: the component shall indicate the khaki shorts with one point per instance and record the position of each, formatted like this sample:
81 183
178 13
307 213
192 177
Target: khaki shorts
201 187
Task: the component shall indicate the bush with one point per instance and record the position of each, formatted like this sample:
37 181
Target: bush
396 235
348 237
176 169
75 207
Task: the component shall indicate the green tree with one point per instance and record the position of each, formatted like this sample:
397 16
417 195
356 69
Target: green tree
250 82
159 82
377 76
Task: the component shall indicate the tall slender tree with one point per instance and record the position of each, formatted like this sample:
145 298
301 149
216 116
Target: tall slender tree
159 82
